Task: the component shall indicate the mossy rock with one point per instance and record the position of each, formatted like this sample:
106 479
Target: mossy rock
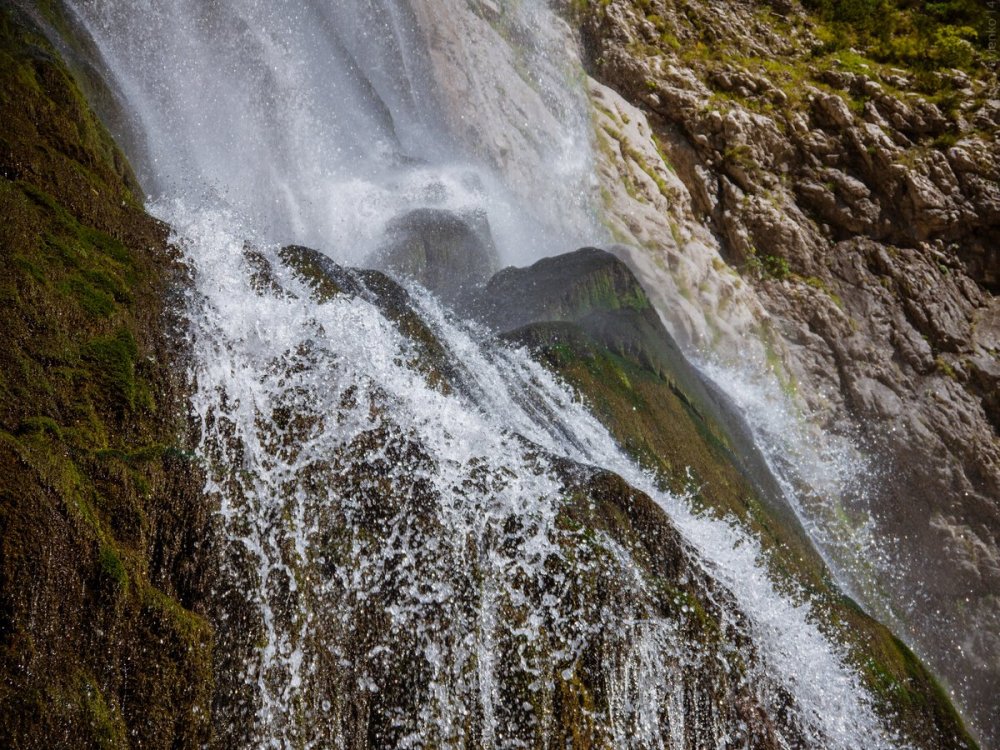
327 280
564 287
95 510
595 294
666 430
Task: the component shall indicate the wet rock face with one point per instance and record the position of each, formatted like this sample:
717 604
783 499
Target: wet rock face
500 71
583 315
599 295
442 251
860 204
590 287
440 626
105 535
327 280
564 287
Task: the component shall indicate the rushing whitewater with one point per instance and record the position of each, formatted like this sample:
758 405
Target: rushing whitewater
397 566
442 580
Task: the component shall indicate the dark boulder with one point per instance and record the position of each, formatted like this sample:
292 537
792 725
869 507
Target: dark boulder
325 278
441 250
584 317
589 287
598 294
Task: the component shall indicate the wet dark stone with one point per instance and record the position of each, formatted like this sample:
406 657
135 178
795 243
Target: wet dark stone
441 250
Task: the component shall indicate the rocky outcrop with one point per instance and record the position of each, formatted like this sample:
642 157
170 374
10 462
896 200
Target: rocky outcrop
589 287
104 533
327 280
665 416
601 298
579 314
858 203
609 548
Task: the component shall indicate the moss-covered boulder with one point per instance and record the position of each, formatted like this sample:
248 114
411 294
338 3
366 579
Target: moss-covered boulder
572 286
326 280
598 295
102 524
587 319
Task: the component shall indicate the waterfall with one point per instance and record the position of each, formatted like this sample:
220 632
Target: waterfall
317 122
399 566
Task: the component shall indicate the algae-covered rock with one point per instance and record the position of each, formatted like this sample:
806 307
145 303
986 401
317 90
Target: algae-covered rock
599 295
324 277
103 642
597 291
590 287
564 287
570 620
441 250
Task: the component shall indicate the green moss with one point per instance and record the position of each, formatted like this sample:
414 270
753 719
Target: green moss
112 566
106 724
946 140
658 424
90 298
81 305
190 627
740 155
945 368
112 360
775 267
40 424
140 455
763 266
817 283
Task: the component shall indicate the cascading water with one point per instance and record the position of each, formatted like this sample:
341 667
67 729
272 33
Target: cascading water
827 479
318 122
403 563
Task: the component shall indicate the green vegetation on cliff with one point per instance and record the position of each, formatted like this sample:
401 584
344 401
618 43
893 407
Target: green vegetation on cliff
100 641
927 35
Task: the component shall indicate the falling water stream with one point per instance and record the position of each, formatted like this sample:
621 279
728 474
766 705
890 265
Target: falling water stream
392 548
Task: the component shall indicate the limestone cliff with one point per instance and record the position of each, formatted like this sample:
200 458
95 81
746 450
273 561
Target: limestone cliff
816 191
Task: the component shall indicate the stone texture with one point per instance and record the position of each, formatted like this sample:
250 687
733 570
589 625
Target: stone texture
441 250
105 535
